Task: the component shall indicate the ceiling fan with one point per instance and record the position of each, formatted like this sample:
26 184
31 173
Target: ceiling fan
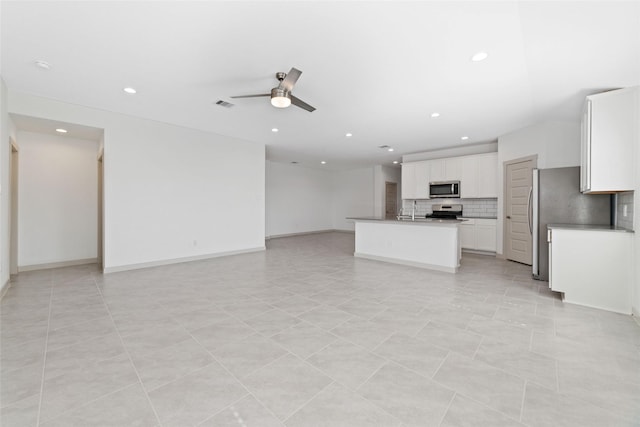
281 96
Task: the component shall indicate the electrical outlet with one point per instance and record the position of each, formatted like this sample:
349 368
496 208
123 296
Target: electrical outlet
195 243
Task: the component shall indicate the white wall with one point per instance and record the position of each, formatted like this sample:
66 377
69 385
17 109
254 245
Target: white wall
57 208
557 144
384 174
298 199
170 193
5 157
353 196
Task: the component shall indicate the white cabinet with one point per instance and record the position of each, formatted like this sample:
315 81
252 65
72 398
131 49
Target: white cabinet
452 169
478 234
437 172
609 133
592 267
487 175
408 185
478 176
468 177
415 180
486 235
468 234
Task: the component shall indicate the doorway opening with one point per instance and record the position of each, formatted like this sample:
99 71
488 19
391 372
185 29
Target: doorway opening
391 199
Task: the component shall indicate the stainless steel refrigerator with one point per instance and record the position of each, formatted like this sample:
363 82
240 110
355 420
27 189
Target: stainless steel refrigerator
557 200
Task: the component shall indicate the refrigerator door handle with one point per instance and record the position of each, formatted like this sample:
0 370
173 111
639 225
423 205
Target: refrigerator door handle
530 212
535 202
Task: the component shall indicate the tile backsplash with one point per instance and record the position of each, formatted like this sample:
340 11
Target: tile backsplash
625 201
478 208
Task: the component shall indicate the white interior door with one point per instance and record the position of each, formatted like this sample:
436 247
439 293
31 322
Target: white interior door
519 181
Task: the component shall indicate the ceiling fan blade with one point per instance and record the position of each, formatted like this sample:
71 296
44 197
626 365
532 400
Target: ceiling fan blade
251 96
292 77
300 103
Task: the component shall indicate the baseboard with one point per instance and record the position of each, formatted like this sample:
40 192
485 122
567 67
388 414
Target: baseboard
476 252
22 268
405 262
306 233
128 267
5 287
636 315
500 256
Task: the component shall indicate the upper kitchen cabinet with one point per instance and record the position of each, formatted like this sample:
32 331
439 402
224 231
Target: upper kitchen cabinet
437 172
487 175
609 133
448 169
415 180
479 176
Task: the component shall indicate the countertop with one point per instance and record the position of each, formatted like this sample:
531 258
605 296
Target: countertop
589 227
417 221
479 217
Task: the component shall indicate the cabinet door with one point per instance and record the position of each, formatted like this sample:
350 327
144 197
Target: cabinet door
487 175
468 177
437 170
408 184
486 235
467 236
613 118
585 149
452 169
421 180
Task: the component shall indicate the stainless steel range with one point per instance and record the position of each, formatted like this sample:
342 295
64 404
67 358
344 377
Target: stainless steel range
445 212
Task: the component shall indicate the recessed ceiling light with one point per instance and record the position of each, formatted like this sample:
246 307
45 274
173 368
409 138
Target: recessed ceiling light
129 90
43 64
434 115
323 162
395 162
274 130
348 135
60 130
389 149
480 56
464 138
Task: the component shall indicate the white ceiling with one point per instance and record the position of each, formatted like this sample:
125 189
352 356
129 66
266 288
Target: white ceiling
375 69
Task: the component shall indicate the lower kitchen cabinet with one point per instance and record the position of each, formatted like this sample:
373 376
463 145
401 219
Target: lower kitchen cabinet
591 266
478 234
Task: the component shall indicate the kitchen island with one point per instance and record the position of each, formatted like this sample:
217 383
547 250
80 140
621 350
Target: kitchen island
427 243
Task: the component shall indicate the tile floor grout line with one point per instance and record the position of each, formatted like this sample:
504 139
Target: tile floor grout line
235 376
126 350
44 359
284 421
524 396
444 414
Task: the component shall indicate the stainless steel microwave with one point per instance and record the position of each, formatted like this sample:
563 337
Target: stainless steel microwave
444 189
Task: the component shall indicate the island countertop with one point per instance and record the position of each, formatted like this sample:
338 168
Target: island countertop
417 221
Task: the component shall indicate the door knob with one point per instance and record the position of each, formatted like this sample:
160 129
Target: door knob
508 216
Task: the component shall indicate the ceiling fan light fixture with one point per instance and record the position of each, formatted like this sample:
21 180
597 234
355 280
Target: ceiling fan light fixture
280 98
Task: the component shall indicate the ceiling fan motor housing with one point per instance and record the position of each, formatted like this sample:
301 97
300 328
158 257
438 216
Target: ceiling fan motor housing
280 98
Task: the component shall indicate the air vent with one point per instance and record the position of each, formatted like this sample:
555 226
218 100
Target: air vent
224 104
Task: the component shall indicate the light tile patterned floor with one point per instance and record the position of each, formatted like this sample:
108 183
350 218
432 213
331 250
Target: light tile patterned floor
305 335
